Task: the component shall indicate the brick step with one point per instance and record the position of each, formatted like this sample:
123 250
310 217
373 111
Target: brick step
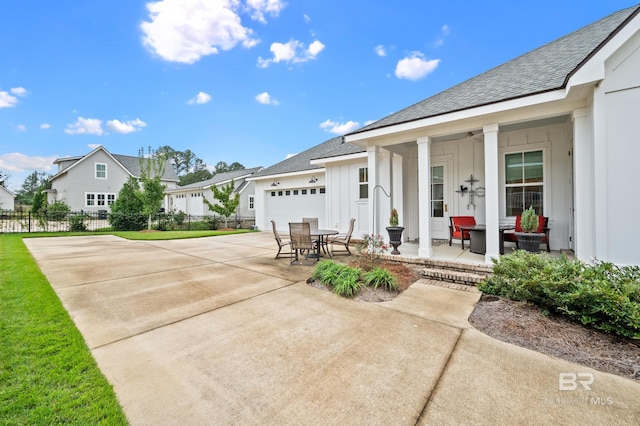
458 277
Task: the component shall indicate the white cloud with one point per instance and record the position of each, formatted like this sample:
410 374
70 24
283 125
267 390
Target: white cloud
257 8
6 100
415 67
339 128
201 98
380 50
265 99
17 162
93 146
186 30
85 126
126 126
19 91
306 17
293 51
45 126
366 123
446 30
21 128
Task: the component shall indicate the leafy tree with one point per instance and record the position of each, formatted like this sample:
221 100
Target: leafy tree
193 177
221 167
228 202
126 211
36 181
4 177
235 166
152 194
39 202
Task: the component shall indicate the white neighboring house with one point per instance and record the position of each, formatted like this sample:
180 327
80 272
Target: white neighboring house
295 188
92 182
7 199
189 198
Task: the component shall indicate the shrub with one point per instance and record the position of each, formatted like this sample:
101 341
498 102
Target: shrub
381 277
180 216
344 279
76 223
213 222
603 296
57 211
370 249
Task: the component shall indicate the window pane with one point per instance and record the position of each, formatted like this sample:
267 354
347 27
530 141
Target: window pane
364 175
437 209
533 197
437 174
514 201
513 168
533 166
364 191
437 192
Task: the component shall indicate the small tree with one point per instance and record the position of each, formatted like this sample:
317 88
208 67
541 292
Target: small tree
228 202
126 211
151 171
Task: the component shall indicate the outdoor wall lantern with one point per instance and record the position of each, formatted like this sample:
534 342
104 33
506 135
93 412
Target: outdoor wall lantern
275 183
313 179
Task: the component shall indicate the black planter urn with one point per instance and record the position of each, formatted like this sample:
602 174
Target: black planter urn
395 237
529 241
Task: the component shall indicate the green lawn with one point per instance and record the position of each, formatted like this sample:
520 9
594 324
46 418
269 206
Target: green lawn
47 373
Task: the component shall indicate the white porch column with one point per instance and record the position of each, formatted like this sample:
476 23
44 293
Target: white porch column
583 190
372 165
424 195
492 192
397 193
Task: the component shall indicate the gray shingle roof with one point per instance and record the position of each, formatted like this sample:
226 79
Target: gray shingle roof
132 164
301 162
544 69
221 177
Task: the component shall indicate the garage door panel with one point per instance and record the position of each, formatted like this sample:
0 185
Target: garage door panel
292 208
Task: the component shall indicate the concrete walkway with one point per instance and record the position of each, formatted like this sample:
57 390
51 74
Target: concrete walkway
214 331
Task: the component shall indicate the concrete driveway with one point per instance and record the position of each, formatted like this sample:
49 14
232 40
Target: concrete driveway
214 331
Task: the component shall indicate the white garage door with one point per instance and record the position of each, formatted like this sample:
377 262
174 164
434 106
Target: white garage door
291 205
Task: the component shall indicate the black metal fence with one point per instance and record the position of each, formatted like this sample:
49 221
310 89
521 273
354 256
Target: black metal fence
14 221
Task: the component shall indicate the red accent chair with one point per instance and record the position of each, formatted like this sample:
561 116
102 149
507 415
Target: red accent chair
454 228
543 228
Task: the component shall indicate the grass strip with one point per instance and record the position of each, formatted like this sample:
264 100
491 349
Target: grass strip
47 373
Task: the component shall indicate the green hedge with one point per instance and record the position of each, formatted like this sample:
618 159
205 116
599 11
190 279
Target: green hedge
603 296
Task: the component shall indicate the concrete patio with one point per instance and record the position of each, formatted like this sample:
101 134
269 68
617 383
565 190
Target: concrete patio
215 331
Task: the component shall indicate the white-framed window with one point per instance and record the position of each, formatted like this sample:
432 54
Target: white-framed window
99 199
251 202
101 171
524 182
363 181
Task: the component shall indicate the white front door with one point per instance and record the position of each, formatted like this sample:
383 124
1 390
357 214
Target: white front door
439 201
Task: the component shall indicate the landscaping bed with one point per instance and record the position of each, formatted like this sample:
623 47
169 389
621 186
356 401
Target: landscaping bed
523 324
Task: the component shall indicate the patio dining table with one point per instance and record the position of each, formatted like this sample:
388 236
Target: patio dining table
322 235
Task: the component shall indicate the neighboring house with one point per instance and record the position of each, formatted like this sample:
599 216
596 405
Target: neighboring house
189 198
7 199
555 128
295 188
92 182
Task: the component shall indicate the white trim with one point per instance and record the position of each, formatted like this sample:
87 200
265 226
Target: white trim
545 147
288 174
95 171
340 158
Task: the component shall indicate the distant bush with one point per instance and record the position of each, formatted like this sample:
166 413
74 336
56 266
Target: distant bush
603 296
57 211
76 222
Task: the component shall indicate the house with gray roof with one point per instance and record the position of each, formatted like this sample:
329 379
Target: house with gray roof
92 182
190 198
7 199
296 187
555 129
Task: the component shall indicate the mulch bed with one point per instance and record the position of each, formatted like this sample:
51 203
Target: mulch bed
525 325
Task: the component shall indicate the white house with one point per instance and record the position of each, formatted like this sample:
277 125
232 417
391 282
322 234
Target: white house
190 198
555 127
7 199
92 182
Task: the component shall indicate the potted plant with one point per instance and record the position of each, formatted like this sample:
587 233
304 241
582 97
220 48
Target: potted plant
395 231
529 239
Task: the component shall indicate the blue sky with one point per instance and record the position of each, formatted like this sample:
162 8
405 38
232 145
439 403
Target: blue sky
251 81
